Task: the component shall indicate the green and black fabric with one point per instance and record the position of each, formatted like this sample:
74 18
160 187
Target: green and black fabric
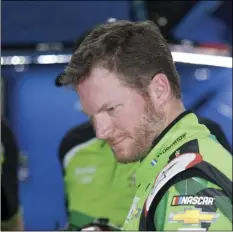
185 182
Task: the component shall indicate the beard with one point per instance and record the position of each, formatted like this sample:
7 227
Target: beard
148 128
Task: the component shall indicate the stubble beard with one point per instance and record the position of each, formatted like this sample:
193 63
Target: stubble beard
146 131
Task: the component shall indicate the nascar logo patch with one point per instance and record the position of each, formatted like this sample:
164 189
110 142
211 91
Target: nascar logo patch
192 200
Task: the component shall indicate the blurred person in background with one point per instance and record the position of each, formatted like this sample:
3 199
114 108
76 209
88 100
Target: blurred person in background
10 208
129 87
216 130
98 189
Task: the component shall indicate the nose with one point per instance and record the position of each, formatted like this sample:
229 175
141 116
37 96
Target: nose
103 128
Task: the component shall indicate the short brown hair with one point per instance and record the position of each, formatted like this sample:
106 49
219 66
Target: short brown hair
136 51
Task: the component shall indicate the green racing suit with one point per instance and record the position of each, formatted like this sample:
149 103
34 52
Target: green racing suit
184 183
96 186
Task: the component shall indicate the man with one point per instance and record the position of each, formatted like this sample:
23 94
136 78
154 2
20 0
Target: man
129 87
10 212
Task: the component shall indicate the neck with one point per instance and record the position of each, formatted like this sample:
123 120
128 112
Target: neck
175 108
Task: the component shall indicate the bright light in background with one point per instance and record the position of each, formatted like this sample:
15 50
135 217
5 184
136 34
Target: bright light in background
183 57
53 59
191 58
111 20
63 59
15 60
47 59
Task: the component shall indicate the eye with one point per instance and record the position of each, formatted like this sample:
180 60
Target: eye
111 109
114 109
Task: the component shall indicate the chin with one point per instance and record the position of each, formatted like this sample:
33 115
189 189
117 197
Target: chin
125 157
127 152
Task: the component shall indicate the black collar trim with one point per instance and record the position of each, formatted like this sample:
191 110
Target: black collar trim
165 131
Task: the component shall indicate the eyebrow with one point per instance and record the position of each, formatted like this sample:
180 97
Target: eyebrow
102 108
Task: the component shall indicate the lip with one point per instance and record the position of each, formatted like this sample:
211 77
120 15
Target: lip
114 144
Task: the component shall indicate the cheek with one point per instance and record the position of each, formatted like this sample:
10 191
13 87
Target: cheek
128 117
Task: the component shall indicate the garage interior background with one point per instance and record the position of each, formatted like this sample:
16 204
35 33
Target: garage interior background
37 39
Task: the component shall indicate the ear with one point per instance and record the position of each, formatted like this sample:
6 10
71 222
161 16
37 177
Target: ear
160 89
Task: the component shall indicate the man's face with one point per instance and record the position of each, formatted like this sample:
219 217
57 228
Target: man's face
127 120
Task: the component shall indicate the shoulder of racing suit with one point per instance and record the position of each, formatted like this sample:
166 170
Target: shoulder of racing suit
75 137
184 149
216 184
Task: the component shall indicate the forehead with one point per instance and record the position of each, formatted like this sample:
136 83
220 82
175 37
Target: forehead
100 84
101 87
100 79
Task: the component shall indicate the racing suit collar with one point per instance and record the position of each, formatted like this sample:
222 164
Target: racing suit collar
166 130
183 129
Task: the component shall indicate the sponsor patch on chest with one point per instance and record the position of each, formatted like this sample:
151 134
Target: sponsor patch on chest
192 200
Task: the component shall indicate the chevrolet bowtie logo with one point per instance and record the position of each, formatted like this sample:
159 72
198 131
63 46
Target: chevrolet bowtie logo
193 216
